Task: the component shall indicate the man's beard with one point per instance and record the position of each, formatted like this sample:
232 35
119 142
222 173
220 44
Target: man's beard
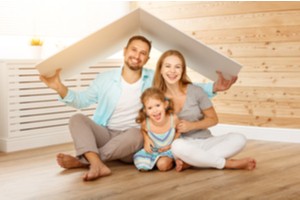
133 68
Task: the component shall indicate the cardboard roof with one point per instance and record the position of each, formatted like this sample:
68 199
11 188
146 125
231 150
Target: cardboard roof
113 38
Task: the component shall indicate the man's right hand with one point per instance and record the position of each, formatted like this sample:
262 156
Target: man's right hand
55 83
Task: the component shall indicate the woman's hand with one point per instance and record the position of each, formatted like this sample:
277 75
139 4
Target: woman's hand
184 126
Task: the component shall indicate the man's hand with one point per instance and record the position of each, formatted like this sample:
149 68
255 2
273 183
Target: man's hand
55 83
222 84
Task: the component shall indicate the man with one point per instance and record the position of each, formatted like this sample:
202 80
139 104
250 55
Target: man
113 133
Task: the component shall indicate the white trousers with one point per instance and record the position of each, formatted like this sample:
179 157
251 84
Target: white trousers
210 152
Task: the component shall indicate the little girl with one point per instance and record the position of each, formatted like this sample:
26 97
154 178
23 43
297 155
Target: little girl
158 128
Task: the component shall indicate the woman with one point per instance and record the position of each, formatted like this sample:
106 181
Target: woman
197 147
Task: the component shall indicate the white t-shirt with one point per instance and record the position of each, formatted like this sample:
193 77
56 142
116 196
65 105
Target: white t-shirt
127 108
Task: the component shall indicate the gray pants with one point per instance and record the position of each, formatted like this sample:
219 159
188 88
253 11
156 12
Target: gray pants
109 144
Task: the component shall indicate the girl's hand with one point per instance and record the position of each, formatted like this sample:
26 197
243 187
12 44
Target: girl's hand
184 126
148 144
163 149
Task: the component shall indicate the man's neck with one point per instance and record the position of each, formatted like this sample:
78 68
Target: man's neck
131 76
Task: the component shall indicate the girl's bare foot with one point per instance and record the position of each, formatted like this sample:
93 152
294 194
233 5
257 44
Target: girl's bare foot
244 163
96 171
68 162
180 165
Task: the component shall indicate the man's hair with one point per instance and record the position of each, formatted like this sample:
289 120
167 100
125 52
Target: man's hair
139 37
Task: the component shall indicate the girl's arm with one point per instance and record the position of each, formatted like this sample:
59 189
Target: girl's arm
210 119
177 135
148 143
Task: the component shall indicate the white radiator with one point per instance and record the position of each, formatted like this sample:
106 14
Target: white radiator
31 115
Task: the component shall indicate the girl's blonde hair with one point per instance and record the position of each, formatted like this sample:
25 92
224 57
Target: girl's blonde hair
159 81
156 94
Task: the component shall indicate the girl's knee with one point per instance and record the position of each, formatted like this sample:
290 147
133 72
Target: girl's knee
164 164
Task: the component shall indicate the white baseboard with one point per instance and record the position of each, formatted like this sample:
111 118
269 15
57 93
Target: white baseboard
260 133
255 133
30 142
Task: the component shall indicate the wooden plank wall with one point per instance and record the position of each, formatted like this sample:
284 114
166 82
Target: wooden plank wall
262 36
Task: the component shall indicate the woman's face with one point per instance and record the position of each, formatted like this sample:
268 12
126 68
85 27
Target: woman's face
171 69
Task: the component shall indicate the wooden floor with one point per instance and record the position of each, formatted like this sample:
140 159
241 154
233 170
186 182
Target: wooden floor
34 174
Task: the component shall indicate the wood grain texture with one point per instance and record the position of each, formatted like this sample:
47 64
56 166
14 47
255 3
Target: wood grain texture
263 36
34 174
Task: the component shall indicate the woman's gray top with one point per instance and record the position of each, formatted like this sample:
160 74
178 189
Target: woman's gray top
196 101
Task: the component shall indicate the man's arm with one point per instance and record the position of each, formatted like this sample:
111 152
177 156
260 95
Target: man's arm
55 83
220 85
223 84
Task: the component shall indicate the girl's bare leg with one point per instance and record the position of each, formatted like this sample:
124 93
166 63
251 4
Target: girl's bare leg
164 163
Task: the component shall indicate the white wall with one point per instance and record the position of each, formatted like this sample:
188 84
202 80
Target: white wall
58 22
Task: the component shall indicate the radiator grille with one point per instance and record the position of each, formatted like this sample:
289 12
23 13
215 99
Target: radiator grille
34 109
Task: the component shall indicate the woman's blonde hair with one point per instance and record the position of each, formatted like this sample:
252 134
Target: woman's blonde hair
156 94
159 81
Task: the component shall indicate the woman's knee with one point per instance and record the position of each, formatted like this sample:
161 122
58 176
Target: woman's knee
178 146
238 139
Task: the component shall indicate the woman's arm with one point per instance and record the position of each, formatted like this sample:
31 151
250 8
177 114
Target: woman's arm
176 122
210 119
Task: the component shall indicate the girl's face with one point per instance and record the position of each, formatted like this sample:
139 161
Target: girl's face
155 109
172 69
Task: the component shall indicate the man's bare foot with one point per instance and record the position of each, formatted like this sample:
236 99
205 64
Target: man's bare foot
244 163
180 165
69 162
96 171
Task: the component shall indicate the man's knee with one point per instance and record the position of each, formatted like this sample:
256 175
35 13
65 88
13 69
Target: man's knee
77 118
137 140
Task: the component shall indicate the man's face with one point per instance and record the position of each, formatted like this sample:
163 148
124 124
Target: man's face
136 55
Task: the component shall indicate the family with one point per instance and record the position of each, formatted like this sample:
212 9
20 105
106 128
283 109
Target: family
154 119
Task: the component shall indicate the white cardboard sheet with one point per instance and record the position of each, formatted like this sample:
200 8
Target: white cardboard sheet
113 38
